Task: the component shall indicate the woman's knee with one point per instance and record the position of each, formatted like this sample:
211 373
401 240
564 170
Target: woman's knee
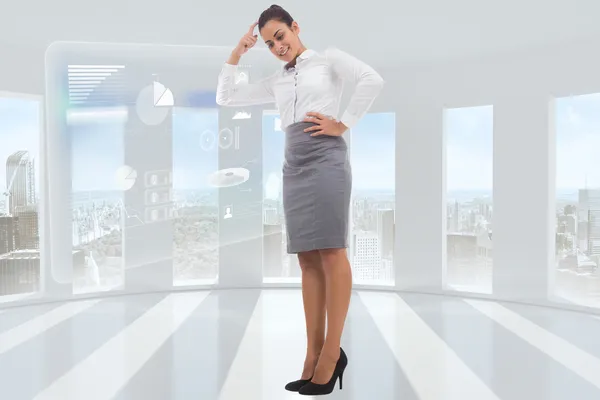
331 258
309 259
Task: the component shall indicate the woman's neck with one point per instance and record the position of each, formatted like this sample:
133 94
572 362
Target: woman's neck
292 63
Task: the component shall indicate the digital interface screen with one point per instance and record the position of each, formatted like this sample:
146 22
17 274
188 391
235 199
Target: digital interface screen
155 166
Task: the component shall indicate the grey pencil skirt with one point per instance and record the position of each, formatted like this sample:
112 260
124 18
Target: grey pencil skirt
317 183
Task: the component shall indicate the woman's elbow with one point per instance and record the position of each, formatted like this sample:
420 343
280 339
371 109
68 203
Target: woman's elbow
373 79
378 81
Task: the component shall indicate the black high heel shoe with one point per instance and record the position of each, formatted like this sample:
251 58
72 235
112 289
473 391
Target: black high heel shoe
294 386
315 389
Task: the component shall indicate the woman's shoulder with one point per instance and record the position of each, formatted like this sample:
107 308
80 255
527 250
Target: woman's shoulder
332 51
333 54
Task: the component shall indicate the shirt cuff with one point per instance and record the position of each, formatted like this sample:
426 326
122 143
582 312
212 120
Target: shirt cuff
349 120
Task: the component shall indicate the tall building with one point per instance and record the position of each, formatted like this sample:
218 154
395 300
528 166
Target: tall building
593 239
20 181
453 219
19 272
8 234
366 260
270 216
19 231
385 232
28 229
20 190
588 215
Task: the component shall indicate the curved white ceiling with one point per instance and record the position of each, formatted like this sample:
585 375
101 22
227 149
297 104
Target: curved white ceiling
381 31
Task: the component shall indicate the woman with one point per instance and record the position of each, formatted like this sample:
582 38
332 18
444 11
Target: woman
317 177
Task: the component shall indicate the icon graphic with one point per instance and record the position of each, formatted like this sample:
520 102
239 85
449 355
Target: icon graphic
242 115
131 216
157 178
225 138
229 177
163 97
241 77
228 212
157 195
158 214
86 80
207 140
126 177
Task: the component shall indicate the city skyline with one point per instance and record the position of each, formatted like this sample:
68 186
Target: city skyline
98 147
20 258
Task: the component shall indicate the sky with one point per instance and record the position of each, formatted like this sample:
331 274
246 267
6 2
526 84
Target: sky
19 130
96 154
98 151
192 163
469 148
371 151
98 146
578 141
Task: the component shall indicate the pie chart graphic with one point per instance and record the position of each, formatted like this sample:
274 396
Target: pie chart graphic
146 107
163 97
229 177
126 177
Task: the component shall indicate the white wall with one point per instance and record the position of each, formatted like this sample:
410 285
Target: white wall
22 68
521 88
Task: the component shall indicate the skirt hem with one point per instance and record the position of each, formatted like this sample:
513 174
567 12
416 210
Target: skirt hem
316 244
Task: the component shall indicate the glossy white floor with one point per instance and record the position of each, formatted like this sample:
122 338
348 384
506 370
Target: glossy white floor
246 344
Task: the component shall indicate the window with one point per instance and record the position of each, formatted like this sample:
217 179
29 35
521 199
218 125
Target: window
577 278
19 196
469 181
196 221
373 158
99 179
278 265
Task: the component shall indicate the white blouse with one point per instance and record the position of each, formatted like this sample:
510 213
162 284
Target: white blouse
314 84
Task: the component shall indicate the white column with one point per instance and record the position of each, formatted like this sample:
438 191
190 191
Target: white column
524 181
56 244
420 212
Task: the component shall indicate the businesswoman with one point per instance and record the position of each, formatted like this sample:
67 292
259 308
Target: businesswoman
317 176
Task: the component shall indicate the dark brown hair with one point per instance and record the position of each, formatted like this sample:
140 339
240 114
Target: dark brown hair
277 13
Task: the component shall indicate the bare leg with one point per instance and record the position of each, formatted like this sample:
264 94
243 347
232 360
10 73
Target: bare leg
313 296
338 276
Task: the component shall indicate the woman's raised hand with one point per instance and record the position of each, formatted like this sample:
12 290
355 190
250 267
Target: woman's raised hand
247 41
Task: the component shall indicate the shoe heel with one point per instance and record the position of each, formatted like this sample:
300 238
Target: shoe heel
341 379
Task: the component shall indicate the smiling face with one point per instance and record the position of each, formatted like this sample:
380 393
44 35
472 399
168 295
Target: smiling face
282 40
